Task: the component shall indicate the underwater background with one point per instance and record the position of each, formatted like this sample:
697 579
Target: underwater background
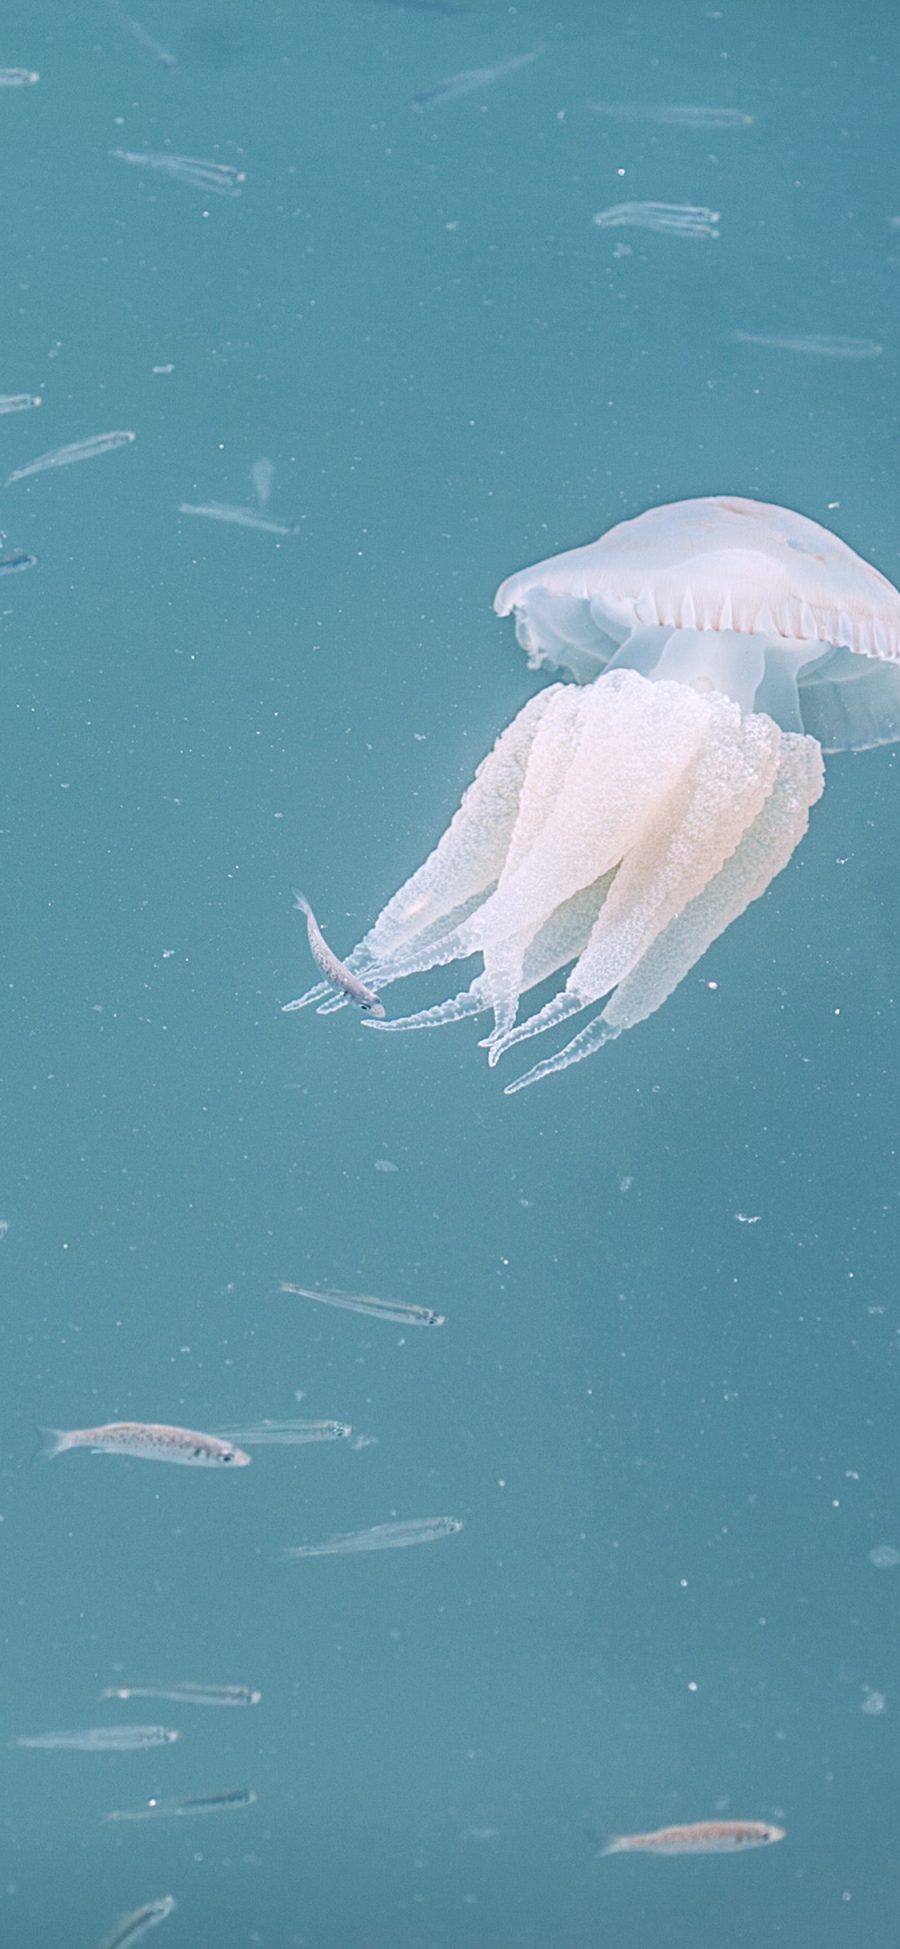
664 1403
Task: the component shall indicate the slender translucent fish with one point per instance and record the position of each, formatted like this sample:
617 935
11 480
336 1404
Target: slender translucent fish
470 81
19 402
262 474
238 517
66 456
333 969
394 1310
818 344
384 1536
211 1803
673 219
11 564
702 1837
673 116
18 77
287 1434
146 1441
141 37
219 178
131 1928
100 1739
186 1692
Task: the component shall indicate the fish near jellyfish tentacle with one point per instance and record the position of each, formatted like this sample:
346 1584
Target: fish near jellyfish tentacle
715 649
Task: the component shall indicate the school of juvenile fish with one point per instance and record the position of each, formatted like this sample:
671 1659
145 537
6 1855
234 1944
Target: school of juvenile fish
339 986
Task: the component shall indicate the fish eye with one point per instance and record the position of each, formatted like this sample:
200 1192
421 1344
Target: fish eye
228 1455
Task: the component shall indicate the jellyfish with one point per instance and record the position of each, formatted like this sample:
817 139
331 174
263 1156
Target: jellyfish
711 652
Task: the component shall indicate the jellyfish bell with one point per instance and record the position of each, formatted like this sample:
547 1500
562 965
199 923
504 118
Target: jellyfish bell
765 604
622 821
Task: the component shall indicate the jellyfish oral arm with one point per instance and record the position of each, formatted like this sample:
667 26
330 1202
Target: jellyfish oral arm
649 813
763 852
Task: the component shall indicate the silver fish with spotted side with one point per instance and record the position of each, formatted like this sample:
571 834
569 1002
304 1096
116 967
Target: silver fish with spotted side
700 1837
333 969
146 1441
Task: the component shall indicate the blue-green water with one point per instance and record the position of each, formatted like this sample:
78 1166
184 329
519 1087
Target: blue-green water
671 1435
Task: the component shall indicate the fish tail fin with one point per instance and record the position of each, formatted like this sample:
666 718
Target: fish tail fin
52 1442
301 902
616 1844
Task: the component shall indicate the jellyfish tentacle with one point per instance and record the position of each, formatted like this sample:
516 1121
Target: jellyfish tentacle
469 857
762 853
647 733
306 1000
562 939
461 932
414 956
558 1009
332 1003
472 1001
697 829
586 1043
697 824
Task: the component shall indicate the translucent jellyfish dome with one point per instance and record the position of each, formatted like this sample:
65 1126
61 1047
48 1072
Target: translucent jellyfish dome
623 821
679 590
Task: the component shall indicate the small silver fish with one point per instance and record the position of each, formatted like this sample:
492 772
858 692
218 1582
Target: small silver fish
188 1692
216 178
211 1803
816 344
140 35
99 443
384 1536
130 1928
287 1434
99 1739
470 81
673 115
333 969
398 1311
673 219
238 517
701 1837
19 402
147 1441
